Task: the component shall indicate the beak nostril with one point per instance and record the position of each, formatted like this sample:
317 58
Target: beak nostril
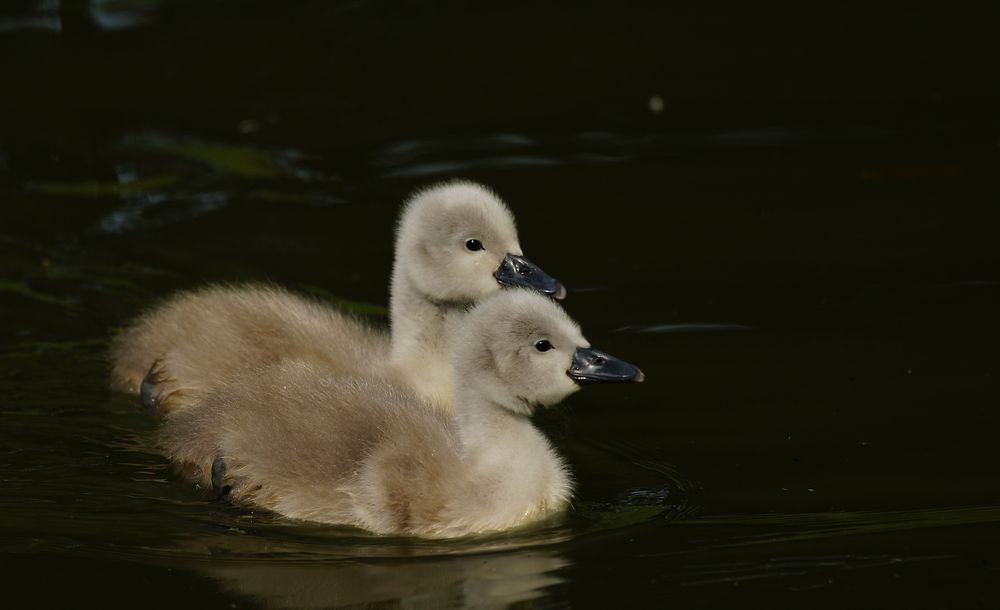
515 270
521 268
591 366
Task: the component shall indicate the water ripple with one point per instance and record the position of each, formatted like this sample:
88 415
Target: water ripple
447 155
694 327
780 528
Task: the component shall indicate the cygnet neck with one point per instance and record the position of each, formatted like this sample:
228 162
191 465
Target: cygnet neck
420 337
483 422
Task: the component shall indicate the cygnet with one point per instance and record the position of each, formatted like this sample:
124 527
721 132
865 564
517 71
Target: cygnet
456 243
365 451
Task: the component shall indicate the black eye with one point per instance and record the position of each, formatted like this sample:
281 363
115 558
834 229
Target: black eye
473 245
543 345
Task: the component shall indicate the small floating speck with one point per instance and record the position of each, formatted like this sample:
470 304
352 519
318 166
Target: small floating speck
656 104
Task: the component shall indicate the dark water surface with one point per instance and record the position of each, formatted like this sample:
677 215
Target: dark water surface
788 218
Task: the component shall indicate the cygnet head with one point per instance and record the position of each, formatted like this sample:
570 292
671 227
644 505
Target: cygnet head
456 242
521 350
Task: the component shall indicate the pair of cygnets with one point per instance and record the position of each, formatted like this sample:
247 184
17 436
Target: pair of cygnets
291 405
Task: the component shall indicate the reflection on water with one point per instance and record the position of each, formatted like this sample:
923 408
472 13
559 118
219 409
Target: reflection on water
301 565
478 152
750 548
785 528
702 327
106 15
480 581
40 15
736 572
162 180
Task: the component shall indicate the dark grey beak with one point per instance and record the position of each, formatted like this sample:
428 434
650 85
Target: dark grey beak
516 270
594 366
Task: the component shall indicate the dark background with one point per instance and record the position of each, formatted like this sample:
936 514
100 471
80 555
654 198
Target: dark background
786 214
